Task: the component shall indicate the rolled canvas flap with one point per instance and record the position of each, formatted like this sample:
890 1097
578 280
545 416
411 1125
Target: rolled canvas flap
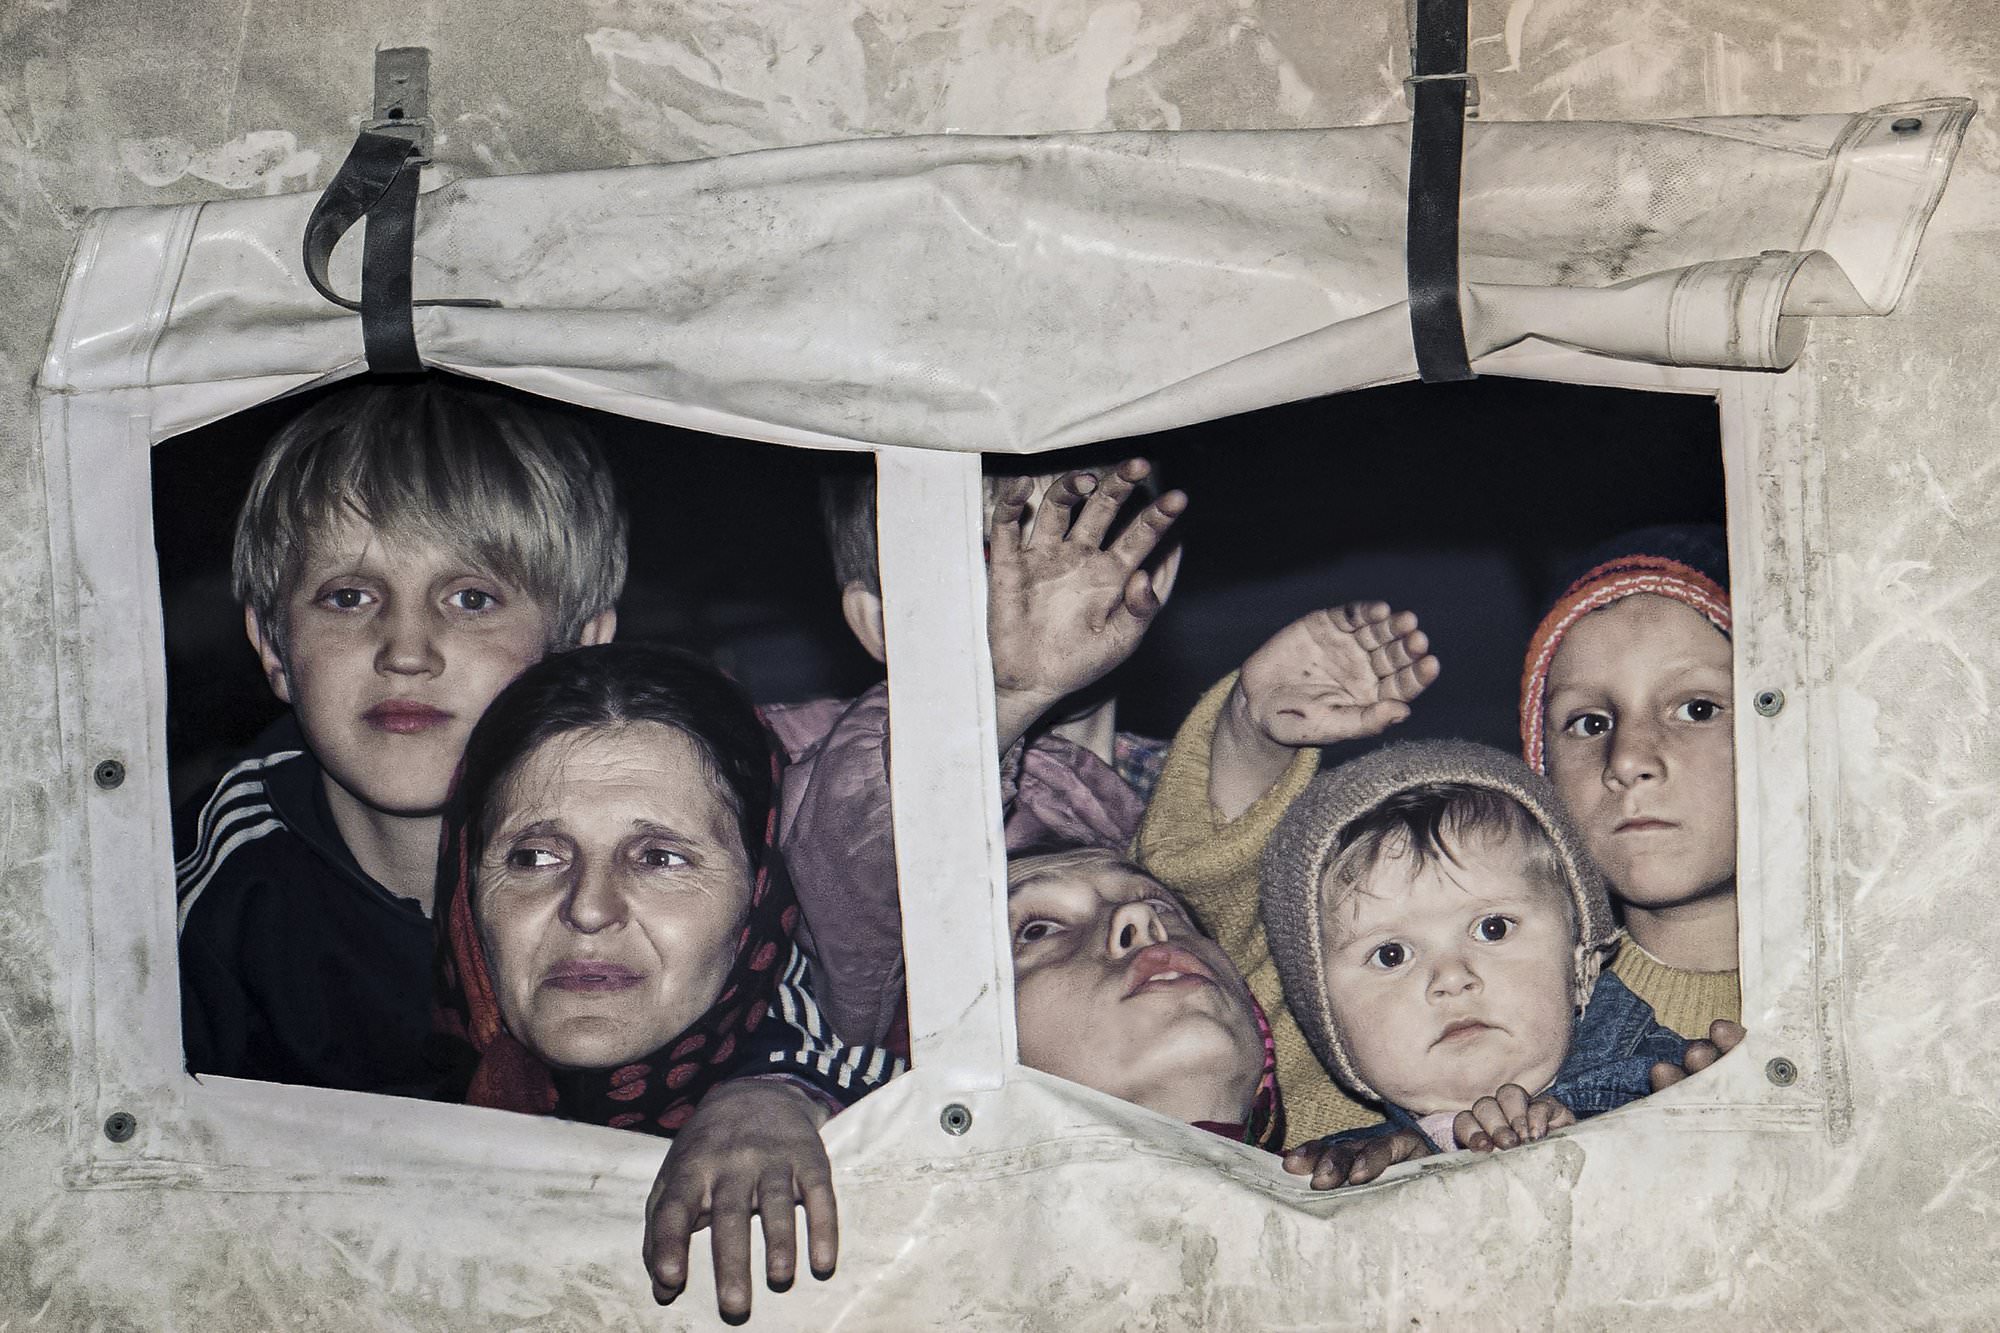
1013 295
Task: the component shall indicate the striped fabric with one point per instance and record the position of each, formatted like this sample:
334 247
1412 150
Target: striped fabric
821 1050
238 812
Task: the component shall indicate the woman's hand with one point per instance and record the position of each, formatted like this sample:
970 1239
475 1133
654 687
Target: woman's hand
1509 1119
753 1146
1356 1161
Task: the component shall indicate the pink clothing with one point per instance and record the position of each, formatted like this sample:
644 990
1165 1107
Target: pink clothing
1437 1127
836 836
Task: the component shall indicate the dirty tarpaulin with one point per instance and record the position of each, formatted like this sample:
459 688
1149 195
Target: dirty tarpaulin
1013 295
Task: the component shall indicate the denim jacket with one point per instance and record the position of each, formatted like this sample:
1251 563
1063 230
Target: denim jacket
1611 1055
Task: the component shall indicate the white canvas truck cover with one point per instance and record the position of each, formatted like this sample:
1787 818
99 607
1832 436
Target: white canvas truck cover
930 298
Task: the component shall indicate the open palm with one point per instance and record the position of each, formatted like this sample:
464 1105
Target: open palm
1338 675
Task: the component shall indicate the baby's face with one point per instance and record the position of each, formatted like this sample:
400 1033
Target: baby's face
1453 981
1115 989
1640 746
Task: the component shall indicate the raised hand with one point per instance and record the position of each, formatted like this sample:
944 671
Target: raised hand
1063 606
1335 675
752 1148
1509 1119
1355 1161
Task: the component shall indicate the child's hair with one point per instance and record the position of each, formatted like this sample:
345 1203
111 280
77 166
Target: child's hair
514 486
847 504
1347 815
1427 823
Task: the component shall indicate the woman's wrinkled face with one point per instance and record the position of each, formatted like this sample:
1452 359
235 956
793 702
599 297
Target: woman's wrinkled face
1640 746
1115 989
609 897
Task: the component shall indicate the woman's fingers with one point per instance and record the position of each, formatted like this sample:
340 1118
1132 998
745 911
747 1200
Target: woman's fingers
822 1222
670 1224
777 1208
729 1242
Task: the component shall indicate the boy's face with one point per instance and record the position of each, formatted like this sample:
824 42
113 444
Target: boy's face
1640 746
1453 981
1115 989
392 649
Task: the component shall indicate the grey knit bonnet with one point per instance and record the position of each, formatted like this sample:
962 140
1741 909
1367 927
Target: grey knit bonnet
1304 845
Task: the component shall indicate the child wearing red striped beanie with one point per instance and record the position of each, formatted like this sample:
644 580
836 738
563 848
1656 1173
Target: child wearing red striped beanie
1626 702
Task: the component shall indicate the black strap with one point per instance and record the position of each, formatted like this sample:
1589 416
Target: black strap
378 181
1437 148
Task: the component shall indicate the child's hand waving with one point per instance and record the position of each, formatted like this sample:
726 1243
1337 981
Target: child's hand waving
1334 675
1509 1119
752 1147
1063 608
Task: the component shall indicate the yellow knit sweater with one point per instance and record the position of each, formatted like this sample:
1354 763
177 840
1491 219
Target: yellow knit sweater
1212 863
1685 1001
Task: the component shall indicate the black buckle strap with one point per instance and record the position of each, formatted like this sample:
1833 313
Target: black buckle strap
378 181
1438 87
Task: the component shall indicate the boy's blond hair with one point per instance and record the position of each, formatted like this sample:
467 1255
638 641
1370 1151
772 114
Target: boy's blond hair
517 488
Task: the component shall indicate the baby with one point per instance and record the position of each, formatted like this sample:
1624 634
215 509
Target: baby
1439 930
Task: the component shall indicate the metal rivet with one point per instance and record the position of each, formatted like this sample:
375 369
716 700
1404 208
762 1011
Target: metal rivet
956 1119
1781 1071
120 1126
1906 124
1769 703
109 773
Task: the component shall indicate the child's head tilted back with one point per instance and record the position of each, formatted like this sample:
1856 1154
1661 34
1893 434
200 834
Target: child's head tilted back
404 551
1117 988
1435 922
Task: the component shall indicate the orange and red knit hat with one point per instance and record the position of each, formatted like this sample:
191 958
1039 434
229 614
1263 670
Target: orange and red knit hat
1687 562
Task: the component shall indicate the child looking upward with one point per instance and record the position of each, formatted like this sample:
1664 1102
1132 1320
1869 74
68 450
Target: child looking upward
1439 930
1069 596
405 551
1626 703
1116 987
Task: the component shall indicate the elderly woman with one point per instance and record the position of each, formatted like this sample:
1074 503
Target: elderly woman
615 927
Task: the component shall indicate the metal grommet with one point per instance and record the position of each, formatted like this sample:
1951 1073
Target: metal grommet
1906 124
1781 1071
109 773
120 1126
956 1119
1768 703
